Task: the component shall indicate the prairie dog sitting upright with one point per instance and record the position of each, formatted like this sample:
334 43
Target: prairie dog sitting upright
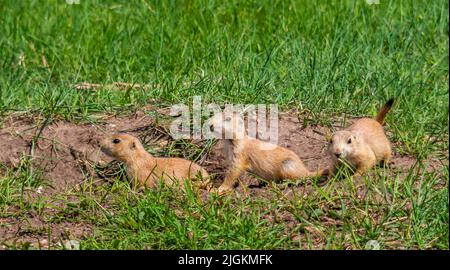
146 169
264 159
363 144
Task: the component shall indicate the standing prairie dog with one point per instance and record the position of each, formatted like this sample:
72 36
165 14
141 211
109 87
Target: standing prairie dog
146 169
363 144
264 159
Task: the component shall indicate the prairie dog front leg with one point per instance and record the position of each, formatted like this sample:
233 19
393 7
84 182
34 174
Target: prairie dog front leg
365 164
238 167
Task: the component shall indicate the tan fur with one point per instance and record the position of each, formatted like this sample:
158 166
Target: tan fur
148 170
264 159
363 144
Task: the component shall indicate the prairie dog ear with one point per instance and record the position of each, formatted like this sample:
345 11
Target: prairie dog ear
133 145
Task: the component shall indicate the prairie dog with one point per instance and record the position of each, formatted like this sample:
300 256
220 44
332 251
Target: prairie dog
145 168
264 159
363 144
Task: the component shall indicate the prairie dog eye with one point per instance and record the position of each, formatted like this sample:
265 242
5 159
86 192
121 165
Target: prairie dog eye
116 141
331 141
349 141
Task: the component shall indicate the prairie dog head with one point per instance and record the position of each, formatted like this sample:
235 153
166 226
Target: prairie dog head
121 146
343 144
227 125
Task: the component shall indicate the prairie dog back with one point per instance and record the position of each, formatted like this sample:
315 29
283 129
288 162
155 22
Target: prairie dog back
372 132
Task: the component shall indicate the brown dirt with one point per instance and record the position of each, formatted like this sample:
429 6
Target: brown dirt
65 153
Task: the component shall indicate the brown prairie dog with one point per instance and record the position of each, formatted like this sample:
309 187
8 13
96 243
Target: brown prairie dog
363 144
145 168
264 159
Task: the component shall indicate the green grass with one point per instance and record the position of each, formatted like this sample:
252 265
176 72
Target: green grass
409 213
165 219
325 58
328 57
15 187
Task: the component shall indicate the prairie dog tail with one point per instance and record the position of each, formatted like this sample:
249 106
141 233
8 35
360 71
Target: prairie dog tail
382 113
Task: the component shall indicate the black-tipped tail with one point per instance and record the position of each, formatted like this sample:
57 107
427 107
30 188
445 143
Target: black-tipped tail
382 113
